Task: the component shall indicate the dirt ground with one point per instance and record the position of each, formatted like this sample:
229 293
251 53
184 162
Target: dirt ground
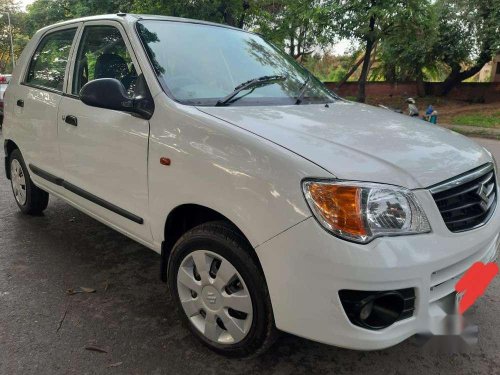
446 108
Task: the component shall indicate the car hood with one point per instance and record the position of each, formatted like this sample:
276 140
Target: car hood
360 142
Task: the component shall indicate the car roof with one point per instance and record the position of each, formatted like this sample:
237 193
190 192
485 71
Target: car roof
131 18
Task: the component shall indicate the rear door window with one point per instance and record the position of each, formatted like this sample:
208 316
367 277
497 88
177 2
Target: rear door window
48 65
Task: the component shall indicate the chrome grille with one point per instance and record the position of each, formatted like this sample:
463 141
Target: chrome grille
467 201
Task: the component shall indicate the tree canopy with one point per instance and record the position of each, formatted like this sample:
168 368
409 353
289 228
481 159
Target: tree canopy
468 36
299 26
398 39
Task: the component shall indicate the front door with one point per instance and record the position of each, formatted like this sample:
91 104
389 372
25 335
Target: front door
105 152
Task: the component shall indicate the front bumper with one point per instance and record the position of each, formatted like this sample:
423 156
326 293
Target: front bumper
306 267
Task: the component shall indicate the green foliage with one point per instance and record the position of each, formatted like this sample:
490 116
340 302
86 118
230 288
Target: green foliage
367 21
20 40
436 72
230 12
408 47
466 30
46 12
352 17
327 67
299 26
478 119
467 37
411 39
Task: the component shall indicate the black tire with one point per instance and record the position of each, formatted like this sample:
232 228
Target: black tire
37 200
224 240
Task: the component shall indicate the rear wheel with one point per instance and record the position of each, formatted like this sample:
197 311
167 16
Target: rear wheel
30 199
221 292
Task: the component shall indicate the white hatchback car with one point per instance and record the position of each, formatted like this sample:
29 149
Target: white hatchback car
274 203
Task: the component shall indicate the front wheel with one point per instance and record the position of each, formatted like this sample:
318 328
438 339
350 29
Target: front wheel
221 292
30 199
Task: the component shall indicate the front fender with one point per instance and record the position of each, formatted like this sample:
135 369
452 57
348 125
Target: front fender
253 182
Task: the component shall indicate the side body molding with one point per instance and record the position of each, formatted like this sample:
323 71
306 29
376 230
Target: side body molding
86 195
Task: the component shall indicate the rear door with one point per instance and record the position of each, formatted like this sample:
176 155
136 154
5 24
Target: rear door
105 152
36 100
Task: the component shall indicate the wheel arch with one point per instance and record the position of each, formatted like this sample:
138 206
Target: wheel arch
184 218
9 146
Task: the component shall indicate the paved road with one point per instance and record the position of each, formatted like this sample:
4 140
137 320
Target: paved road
45 331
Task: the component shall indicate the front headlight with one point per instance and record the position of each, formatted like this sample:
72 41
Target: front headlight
360 212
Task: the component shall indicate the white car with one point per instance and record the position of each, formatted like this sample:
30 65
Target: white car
275 205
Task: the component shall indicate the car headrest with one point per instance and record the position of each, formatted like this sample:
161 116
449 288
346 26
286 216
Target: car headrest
110 65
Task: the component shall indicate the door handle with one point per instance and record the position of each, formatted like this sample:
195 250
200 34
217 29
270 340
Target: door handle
20 103
71 120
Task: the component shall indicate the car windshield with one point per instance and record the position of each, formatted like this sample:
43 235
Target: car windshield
201 64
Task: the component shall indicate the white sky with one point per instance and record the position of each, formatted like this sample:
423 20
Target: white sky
25 2
343 46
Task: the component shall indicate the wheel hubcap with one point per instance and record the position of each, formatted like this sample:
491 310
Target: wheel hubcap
211 298
214 297
18 181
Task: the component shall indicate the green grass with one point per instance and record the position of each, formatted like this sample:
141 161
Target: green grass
478 119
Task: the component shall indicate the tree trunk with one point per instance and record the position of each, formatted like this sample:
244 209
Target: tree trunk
390 73
246 6
374 56
370 42
350 72
292 46
229 18
299 48
420 83
456 76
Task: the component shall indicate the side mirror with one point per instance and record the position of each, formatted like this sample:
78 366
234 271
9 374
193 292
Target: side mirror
110 93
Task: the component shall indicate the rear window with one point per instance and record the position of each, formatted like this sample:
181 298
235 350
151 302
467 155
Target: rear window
48 65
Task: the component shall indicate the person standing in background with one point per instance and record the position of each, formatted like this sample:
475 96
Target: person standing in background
412 107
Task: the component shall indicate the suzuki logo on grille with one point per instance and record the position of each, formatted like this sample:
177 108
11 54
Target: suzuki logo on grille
212 298
483 194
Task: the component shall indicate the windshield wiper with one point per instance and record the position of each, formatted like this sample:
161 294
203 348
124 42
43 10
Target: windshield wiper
250 85
303 91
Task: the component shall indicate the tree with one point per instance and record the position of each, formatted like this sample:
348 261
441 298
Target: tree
402 26
468 37
19 38
366 21
230 12
299 26
408 48
352 70
46 12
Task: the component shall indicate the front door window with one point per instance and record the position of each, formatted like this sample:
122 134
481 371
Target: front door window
103 54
